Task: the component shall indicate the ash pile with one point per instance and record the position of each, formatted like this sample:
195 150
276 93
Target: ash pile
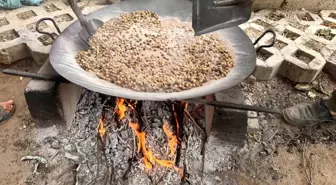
145 142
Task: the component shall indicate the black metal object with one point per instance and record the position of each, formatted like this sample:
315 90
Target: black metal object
236 106
267 45
34 75
47 33
213 15
44 106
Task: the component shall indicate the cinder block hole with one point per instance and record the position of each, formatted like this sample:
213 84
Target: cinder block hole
8 35
51 8
264 54
46 39
252 33
305 16
3 22
303 56
315 45
299 26
279 44
325 33
332 15
291 35
275 17
32 26
63 18
329 24
333 56
263 23
26 15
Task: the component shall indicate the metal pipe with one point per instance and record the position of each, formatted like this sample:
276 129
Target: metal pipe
34 75
236 106
228 2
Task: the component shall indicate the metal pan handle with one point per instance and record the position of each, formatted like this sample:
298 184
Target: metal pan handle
47 33
267 45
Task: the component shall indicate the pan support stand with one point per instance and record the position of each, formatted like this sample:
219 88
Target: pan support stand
209 112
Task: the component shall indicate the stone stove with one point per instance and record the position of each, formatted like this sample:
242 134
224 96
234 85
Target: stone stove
113 157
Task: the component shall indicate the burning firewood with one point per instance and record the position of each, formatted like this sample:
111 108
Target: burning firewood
149 158
101 128
172 139
121 108
155 127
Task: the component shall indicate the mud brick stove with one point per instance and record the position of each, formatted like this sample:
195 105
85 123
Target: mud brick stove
128 137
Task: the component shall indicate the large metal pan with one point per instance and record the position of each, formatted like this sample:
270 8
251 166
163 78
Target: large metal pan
66 46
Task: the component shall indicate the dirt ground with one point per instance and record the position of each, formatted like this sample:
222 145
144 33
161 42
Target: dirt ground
283 154
16 134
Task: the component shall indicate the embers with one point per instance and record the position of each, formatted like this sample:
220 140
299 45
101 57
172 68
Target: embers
101 128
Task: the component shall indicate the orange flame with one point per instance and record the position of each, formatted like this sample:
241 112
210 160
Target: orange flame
121 108
147 163
149 158
185 105
135 128
178 170
101 129
172 139
166 163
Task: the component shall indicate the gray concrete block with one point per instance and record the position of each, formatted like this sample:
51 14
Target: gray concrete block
314 31
5 57
232 95
268 63
12 51
301 64
307 18
230 125
330 66
41 99
294 4
311 43
252 32
269 18
282 42
290 32
253 126
51 102
26 42
329 13
68 96
312 5
326 50
252 114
